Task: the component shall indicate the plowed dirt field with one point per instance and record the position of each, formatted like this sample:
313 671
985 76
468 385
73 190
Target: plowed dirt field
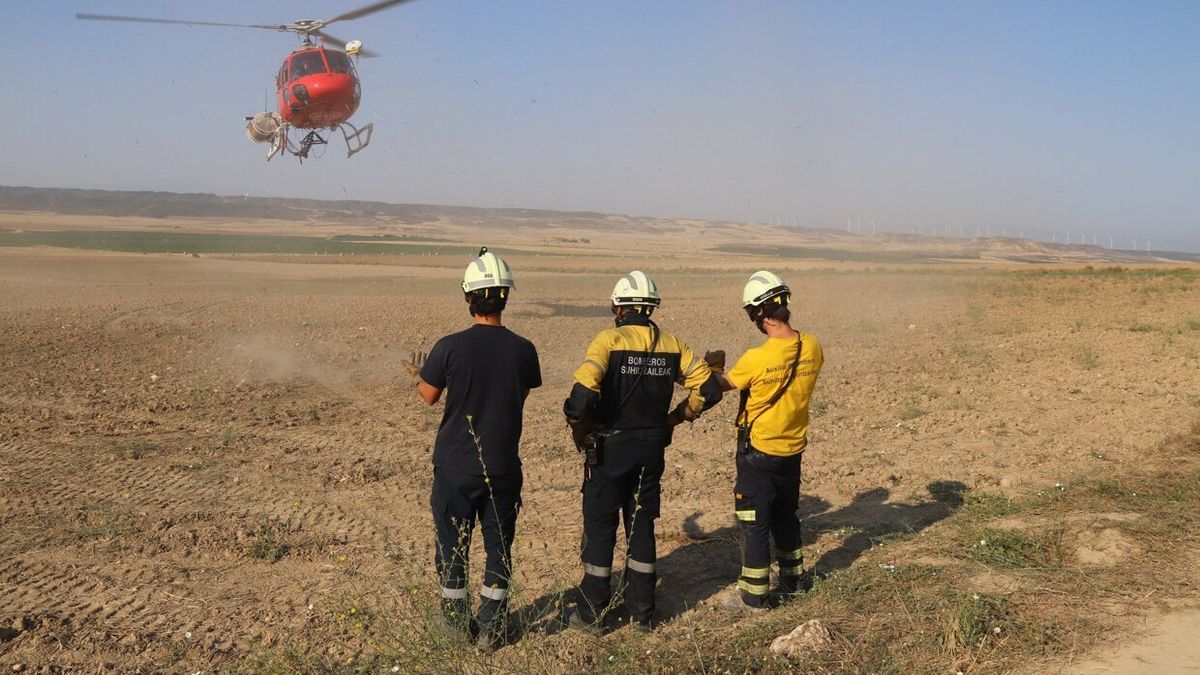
204 459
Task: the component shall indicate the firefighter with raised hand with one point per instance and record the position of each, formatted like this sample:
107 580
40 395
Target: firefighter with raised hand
486 372
776 382
620 415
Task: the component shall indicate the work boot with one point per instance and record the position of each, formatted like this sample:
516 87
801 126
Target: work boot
493 626
643 626
808 579
792 588
491 638
577 621
734 603
453 627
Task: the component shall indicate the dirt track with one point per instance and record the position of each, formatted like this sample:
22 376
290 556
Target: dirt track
169 426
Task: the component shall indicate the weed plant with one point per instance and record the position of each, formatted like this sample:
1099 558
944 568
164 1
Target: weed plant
1086 357
909 604
137 448
268 540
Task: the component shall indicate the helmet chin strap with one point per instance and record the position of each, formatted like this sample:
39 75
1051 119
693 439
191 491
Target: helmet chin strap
759 314
626 316
759 319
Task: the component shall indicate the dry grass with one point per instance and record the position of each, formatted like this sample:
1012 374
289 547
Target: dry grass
911 604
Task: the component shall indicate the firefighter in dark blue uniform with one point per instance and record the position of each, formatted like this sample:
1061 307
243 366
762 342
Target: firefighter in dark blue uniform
486 371
620 415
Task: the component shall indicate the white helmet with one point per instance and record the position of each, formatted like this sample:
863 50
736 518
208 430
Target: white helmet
487 271
635 288
763 286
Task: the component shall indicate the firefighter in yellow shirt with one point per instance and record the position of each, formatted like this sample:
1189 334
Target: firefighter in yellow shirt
776 383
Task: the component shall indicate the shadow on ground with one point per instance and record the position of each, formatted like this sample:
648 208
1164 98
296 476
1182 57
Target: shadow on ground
695 572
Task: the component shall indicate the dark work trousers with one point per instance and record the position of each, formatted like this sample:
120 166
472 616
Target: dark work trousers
766 499
457 500
627 485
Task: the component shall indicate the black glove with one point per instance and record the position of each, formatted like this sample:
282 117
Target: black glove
679 415
715 360
581 430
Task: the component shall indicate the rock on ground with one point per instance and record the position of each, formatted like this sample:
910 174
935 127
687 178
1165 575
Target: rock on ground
809 637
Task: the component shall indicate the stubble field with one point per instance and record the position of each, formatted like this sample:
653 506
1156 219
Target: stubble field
219 462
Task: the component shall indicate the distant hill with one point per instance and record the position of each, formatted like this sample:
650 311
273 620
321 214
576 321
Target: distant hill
717 236
203 205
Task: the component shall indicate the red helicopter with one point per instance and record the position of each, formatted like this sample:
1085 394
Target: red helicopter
316 87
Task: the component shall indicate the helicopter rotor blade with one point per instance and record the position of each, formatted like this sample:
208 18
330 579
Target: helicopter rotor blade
331 40
363 11
142 19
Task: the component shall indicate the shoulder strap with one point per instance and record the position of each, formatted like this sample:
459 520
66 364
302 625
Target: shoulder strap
745 395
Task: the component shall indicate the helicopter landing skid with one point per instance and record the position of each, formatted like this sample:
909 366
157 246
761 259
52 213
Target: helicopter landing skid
358 140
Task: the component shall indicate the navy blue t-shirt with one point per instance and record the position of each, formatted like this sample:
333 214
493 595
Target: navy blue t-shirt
485 371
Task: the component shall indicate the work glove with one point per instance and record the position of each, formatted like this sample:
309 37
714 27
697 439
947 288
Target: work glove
715 360
414 363
680 415
580 431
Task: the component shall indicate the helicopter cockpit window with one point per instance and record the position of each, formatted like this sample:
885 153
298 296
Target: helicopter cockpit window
306 63
339 62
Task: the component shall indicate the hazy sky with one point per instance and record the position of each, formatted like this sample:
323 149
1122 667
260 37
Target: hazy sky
1037 117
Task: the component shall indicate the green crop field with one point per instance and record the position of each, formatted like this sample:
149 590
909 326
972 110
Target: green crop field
188 242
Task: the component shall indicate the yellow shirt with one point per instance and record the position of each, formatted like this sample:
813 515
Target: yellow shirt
782 429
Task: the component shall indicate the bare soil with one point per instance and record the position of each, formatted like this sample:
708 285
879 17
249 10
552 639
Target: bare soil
202 459
1168 646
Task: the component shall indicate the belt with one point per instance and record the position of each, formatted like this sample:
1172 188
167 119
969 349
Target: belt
617 436
760 453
